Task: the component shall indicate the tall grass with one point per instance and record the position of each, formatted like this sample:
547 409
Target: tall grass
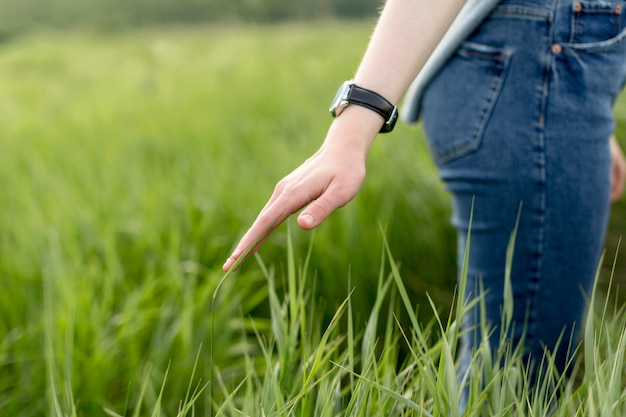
130 164
309 370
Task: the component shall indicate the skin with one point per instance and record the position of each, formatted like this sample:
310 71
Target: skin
332 176
618 170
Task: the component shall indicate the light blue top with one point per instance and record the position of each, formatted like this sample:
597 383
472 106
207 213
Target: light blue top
470 16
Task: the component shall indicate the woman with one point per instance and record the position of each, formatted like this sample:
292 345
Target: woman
519 122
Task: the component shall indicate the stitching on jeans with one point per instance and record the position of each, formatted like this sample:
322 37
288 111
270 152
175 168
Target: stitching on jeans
522 12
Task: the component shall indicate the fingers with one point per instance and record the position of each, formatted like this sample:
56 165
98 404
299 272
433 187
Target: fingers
269 219
316 212
617 185
306 221
281 205
251 241
618 170
326 181
286 200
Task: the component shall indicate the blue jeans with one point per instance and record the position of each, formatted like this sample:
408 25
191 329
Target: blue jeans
522 115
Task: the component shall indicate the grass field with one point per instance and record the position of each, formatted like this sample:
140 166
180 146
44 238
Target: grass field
129 166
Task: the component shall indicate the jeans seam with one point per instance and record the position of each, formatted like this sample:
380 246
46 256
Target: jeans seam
519 11
538 210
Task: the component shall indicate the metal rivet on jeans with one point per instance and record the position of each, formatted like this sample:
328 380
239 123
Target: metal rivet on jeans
577 6
556 48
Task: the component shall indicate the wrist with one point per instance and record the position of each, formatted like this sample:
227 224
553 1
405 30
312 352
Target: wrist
350 93
355 129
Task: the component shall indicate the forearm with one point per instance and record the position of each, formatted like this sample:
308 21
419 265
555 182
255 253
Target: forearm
406 34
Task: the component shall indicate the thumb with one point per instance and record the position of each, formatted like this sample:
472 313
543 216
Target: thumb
315 213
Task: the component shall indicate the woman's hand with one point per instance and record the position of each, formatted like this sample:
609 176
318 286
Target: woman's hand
326 181
618 169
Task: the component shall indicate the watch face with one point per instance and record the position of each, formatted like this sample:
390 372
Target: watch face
340 100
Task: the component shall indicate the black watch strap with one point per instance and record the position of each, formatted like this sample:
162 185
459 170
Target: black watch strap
373 101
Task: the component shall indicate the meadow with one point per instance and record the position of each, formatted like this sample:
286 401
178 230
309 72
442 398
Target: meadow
131 163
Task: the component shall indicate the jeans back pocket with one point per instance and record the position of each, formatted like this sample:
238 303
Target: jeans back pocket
460 99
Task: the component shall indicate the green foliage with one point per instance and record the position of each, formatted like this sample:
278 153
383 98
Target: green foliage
20 16
130 165
311 371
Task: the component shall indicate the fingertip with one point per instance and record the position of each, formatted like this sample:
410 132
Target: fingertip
228 264
306 221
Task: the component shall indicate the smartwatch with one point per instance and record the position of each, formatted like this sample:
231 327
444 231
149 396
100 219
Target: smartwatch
350 93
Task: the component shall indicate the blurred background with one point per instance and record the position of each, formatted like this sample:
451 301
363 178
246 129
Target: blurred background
21 15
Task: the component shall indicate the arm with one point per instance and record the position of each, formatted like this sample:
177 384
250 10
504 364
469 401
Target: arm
405 36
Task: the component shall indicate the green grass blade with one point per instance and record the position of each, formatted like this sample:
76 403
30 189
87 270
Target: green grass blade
391 393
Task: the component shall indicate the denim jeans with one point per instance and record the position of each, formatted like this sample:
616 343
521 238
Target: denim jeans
521 117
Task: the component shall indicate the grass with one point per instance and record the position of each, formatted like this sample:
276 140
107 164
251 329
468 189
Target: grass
328 372
131 163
